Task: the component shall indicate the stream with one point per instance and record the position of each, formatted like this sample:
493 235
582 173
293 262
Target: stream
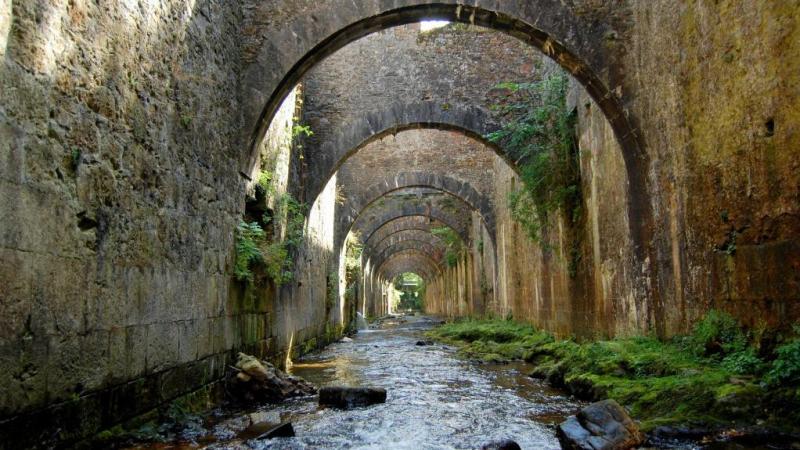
435 400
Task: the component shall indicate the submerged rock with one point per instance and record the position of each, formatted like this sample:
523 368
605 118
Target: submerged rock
422 343
259 381
600 426
283 430
348 397
505 444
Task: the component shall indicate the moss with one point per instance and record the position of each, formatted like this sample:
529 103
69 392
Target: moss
660 382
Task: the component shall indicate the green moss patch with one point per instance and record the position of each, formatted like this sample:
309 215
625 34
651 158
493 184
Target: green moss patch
720 375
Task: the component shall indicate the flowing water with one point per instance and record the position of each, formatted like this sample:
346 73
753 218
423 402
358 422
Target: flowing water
435 400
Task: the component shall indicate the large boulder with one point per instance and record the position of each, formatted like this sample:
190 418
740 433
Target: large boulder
259 381
604 425
348 397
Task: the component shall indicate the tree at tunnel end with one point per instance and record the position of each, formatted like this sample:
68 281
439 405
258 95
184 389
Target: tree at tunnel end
412 291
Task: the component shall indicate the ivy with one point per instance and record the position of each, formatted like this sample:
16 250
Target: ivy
454 247
540 138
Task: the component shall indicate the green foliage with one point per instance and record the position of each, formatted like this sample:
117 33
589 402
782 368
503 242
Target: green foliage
743 362
786 367
264 182
661 382
295 213
718 333
186 121
248 253
454 246
254 250
301 130
352 260
540 137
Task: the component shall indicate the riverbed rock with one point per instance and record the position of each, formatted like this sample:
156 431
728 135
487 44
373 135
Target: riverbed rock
505 444
259 381
346 339
604 425
423 343
283 430
348 397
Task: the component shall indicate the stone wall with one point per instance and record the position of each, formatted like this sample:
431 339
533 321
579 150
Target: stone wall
722 131
119 194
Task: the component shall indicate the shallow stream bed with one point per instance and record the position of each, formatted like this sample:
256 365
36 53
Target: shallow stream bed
435 400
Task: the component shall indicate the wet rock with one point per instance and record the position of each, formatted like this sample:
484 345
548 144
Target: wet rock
346 339
505 444
264 416
348 397
423 343
283 430
259 381
600 426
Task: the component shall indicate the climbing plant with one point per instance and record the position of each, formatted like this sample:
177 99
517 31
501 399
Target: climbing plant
540 138
454 247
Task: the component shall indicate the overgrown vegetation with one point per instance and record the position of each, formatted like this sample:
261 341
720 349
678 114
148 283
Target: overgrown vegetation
540 138
454 246
717 375
254 248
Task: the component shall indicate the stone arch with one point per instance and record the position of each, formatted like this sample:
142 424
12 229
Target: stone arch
573 35
421 259
471 121
574 38
433 251
390 271
444 183
403 235
407 223
369 227
461 191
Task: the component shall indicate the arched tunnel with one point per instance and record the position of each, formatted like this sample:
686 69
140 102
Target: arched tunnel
182 182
